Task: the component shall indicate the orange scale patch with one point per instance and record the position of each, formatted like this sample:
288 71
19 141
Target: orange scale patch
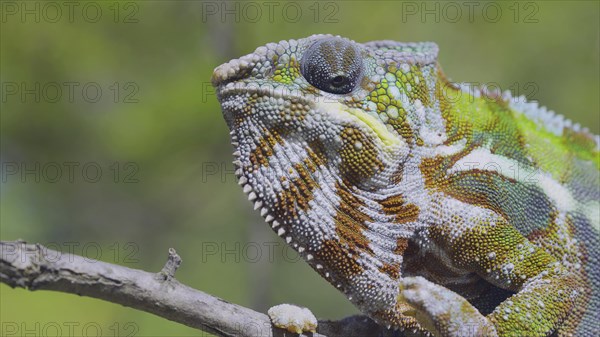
350 222
396 206
392 270
297 196
338 260
264 150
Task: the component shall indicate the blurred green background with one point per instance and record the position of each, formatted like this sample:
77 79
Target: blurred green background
113 144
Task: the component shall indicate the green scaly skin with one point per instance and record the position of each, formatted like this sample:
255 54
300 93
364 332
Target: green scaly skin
432 206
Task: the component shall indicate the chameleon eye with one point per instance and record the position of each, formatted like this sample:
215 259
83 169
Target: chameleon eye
333 65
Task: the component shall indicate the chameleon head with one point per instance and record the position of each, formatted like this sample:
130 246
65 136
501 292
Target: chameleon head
324 101
318 125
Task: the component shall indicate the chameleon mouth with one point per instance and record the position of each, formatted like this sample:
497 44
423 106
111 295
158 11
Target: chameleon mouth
227 91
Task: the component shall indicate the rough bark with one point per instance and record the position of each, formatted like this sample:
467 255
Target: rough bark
35 267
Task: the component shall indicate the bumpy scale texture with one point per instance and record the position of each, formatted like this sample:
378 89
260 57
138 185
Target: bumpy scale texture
433 206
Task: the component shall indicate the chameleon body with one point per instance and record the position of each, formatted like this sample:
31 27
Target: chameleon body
432 206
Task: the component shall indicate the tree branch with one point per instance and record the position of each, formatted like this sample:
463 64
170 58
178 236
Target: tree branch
35 267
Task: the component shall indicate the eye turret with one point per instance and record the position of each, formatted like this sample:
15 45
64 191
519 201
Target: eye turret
333 65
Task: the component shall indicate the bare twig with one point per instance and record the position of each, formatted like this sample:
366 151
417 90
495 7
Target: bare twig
35 267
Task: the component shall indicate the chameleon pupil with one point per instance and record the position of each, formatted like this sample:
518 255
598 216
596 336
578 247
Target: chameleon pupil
339 81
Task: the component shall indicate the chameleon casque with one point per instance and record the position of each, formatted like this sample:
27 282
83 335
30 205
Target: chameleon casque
432 206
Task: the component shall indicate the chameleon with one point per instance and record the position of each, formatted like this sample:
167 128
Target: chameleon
436 208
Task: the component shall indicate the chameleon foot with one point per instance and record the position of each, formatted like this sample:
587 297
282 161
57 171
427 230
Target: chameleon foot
441 311
293 318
